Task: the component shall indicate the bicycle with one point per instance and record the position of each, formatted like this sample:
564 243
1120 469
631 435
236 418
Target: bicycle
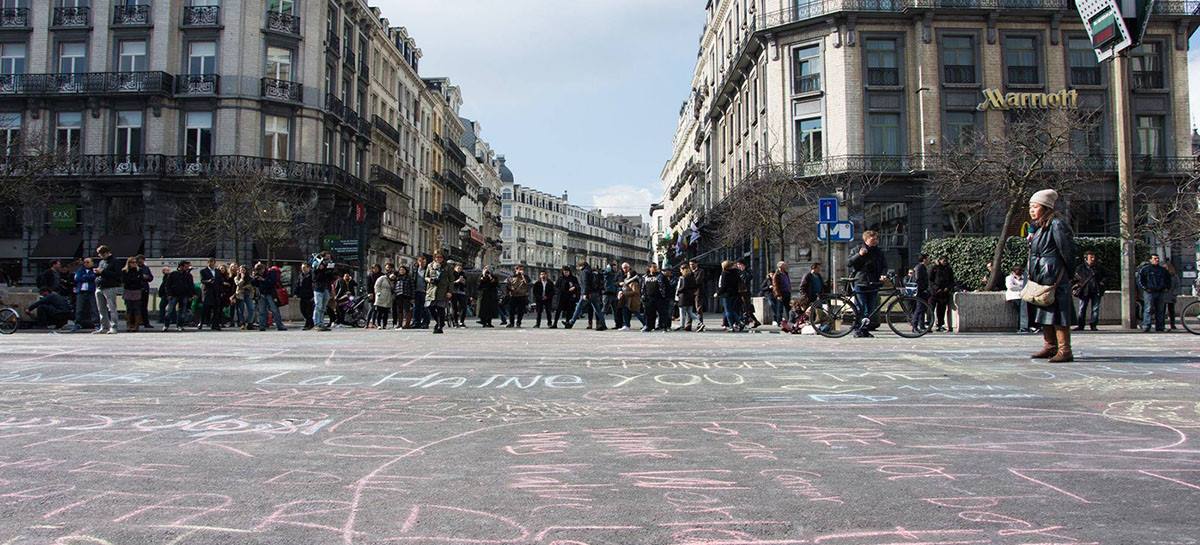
1191 318
10 319
835 315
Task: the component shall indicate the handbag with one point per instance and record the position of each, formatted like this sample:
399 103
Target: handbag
1040 295
133 295
281 296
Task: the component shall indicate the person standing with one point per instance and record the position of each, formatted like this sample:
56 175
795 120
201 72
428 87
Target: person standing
420 313
459 300
745 302
942 282
611 289
266 281
437 294
1051 264
85 296
383 300
868 267
323 276
566 288
304 291
728 293
180 289
630 298
403 288
701 298
147 279
210 296
131 278
543 298
920 280
655 289
109 282
781 290
489 298
1172 293
1154 281
518 296
1088 286
813 285
685 293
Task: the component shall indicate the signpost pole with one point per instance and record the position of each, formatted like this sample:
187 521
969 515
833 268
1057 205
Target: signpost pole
1125 190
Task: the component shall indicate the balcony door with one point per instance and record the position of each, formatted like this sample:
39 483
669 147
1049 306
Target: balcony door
281 6
279 64
131 56
127 142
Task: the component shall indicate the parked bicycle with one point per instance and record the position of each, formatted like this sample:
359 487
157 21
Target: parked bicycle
1191 318
837 315
10 319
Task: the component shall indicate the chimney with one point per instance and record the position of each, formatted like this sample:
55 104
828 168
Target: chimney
564 197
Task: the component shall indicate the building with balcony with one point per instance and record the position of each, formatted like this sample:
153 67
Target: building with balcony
843 86
482 175
140 100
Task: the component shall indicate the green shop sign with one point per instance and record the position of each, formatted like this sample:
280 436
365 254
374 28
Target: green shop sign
62 217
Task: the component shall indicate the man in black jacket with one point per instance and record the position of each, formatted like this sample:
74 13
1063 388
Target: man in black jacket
1154 281
568 291
180 289
942 284
52 309
1089 288
210 296
592 283
655 290
868 268
543 297
304 290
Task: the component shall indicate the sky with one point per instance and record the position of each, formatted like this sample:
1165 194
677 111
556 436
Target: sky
580 96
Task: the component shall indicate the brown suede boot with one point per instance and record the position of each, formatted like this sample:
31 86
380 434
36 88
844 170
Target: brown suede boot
1051 347
1064 354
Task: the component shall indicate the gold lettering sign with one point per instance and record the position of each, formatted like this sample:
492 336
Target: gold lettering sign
993 99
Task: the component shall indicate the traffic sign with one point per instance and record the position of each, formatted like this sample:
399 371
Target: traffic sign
827 208
1106 27
842 231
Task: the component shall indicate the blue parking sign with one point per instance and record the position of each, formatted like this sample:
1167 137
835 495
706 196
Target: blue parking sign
827 210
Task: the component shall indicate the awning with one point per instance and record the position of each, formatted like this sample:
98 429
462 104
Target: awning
53 246
123 246
288 252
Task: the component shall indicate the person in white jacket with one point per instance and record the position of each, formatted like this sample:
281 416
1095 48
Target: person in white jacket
383 300
1015 282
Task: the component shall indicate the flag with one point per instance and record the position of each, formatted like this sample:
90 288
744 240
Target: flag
695 233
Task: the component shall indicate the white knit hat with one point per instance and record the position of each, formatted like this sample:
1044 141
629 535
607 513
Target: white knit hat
1045 197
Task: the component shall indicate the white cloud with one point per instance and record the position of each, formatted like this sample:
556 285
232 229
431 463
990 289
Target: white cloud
626 200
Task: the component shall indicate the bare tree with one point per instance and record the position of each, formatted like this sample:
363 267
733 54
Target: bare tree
776 202
31 174
978 176
1171 212
243 206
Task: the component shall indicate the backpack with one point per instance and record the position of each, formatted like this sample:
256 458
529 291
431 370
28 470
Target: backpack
596 281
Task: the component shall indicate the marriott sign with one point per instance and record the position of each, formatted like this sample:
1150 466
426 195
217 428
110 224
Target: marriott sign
993 99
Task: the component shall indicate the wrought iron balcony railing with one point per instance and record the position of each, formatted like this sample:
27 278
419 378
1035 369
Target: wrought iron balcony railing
455 182
13 18
386 128
351 119
1023 75
201 16
131 15
429 216
334 106
883 76
386 177
178 166
332 43
1085 75
1147 79
958 73
285 23
197 84
364 70
807 83
351 63
1185 7
77 17
87 83
277 89
452 214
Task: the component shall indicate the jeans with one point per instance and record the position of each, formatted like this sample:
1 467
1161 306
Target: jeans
320 303
1023 314
267 304
106 301
867 300
420 312
516 309
729 307
687 315
85 309
780 306
596 303
1153 306
177 310
1091 304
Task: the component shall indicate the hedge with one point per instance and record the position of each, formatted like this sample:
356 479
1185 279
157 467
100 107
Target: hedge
969 256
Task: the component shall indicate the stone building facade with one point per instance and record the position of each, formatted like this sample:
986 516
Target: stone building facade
844 86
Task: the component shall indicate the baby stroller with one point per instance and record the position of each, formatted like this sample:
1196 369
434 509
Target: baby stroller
354 312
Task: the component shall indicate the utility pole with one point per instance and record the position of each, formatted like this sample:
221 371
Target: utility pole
1125 189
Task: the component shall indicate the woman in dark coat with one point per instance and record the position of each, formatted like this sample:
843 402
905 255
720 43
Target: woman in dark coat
489 300
566 290
1052 263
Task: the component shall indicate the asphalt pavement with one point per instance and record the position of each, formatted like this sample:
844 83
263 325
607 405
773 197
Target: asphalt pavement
592 438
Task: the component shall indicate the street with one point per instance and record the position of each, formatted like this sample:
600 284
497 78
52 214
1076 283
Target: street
587 438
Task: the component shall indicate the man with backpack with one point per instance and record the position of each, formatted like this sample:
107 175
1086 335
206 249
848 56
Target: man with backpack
109 281
593 284
180 289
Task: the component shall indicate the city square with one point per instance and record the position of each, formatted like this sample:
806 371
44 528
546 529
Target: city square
537 436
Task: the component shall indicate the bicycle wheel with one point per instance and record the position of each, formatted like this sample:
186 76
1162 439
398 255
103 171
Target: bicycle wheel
9 320
1191 318
909 317
833 316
